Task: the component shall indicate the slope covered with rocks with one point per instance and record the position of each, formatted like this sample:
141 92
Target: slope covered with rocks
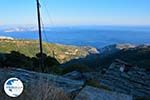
38 86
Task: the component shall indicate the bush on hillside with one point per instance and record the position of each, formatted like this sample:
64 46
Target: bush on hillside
18 60
96 83
2 60
76 67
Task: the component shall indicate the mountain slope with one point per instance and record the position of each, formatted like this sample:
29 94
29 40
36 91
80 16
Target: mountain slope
30 48
135 55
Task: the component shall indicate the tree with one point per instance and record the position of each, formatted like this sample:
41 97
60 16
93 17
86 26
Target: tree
2 60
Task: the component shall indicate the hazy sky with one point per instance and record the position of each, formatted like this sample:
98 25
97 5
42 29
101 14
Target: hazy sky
76 12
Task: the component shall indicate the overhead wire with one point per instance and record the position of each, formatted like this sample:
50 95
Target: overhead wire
48 14
43 26
44 32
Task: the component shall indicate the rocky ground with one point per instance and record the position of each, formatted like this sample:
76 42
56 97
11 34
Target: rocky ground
75 90
121 81
133 80
91 93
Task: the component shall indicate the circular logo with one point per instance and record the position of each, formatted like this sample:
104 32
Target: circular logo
13 87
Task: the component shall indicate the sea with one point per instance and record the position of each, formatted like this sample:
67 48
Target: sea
98 36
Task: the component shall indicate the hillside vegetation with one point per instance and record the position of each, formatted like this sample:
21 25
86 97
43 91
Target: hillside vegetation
74 58
30 48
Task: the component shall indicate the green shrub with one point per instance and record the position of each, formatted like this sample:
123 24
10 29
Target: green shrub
76 67
18 60
96 83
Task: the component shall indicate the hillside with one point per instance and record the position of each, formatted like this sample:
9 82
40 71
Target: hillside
135 55
82 58
30 48
82 67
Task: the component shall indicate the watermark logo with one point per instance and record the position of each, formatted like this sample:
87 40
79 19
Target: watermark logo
13 87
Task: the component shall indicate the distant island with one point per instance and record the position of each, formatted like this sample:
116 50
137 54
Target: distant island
6 38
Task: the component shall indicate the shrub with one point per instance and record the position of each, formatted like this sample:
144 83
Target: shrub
2 60
76 67
18 60
96 83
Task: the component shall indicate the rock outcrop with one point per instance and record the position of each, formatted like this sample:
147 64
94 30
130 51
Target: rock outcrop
76 90
70 87
111 49
91 93
91 50
127 79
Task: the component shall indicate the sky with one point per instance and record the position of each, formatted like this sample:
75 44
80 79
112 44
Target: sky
76 12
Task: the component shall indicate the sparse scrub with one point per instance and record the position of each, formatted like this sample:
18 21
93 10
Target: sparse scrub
38 89
44 90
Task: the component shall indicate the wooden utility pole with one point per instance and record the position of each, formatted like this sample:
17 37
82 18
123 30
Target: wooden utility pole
40 36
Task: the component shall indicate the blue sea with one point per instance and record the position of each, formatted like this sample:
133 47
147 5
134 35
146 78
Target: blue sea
88 36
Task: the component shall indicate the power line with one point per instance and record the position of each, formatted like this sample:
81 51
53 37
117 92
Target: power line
51 23
48 14
44 32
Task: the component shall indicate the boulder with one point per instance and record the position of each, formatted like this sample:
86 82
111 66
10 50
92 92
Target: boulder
91 93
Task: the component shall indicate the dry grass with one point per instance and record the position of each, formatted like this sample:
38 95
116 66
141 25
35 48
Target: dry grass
44 90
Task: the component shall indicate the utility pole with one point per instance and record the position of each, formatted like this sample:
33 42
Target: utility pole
40 36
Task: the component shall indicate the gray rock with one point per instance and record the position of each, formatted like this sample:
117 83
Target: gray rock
90 93
135 81
70 87
111 49
91 50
